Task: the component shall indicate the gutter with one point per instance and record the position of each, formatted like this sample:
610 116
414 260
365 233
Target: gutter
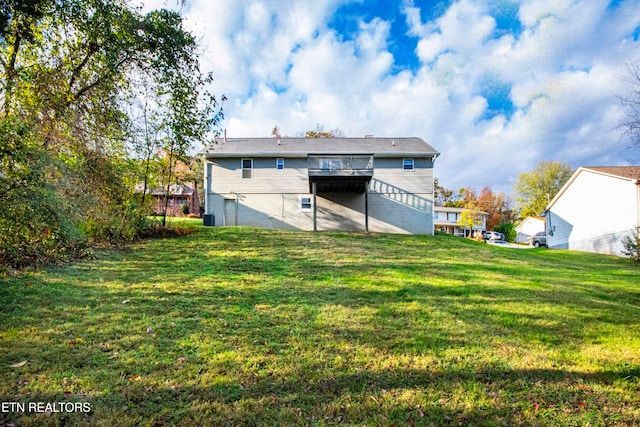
304 155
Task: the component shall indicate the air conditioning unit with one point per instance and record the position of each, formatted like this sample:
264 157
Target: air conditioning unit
209 220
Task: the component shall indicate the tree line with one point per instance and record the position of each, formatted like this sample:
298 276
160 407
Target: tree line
95 97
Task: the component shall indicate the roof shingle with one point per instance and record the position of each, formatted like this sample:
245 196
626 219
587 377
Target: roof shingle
630 172
302 146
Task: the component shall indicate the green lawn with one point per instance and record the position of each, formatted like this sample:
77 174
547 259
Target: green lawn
255 327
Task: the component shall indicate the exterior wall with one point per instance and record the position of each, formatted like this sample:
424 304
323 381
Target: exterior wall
527 228
593 214
399 201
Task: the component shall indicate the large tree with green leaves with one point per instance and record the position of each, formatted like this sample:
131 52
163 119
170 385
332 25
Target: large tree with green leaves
66 68
534 190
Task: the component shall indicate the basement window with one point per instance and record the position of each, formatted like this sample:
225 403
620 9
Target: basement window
247 168
305 203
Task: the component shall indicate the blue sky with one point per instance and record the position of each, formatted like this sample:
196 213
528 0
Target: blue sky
495 86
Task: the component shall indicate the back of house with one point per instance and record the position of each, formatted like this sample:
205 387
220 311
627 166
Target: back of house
355 184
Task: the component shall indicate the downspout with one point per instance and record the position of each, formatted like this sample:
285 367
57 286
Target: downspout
205 188
433 196
637 182
549 230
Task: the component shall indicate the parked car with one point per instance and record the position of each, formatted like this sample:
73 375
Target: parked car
493 235
539 239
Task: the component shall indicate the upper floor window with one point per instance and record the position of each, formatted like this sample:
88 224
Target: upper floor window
247 168
280 164
407 164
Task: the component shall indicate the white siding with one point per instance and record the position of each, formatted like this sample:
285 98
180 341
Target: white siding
528 228
593 214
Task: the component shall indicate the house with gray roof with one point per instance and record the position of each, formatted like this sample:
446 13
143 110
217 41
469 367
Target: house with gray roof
356 184
595 210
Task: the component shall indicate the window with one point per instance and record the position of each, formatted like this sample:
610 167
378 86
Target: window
407 164
247 168
305 203
280 164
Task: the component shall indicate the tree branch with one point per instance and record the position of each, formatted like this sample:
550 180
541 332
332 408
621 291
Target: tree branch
93 48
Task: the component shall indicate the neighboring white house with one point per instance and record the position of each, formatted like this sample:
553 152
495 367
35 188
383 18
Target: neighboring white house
530 226
359 184
446 219
595 210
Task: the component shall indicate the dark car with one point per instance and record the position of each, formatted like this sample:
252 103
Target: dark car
539 239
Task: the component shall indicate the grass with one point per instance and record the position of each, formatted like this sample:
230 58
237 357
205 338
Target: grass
255 327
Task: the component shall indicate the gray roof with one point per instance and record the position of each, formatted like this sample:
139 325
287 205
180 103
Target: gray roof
301 147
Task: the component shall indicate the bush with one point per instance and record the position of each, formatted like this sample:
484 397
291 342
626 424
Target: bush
509 231
184 208
632 245
154 229
38 224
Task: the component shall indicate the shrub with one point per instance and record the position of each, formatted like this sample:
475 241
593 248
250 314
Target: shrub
509 231
184 208
632 245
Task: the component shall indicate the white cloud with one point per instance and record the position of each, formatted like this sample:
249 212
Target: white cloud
281 63
462 29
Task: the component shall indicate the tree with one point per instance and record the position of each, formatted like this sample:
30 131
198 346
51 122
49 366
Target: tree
451 199
319 132
441 194
65 72
632 245
630 124
188 119
534 190
470 218
496 205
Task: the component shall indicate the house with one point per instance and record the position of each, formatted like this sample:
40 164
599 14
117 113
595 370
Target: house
179 195
595 210
530 226
446 219
359 184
